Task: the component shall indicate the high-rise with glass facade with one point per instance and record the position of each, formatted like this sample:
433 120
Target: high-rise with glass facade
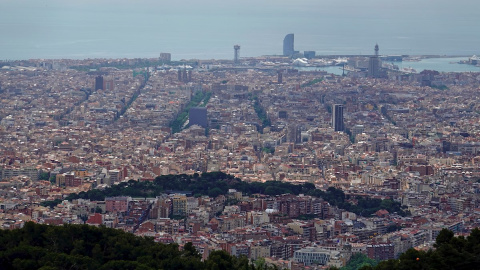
288 45
337 118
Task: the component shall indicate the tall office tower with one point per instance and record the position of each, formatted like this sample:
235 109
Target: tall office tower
374 65
99 82
309 54
198 116
280 76
108 84
288 45
236 56
179 74
165 57
337 118
184 75
291 129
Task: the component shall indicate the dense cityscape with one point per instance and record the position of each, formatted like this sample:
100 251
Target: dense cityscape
384 158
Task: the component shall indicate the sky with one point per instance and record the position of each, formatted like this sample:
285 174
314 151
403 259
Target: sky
116 28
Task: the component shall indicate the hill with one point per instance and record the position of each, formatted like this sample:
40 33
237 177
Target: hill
218 183
49 247
450 253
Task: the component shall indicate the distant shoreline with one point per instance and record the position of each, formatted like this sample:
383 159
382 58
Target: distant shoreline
426 56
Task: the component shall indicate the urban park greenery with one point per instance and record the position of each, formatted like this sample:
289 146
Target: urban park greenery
218 183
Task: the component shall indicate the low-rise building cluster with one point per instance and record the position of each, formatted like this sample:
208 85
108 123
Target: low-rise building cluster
412 138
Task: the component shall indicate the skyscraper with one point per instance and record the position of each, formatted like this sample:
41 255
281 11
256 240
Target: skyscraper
184 74
374 65
198 116
337 117
99 82
179 75
309 54
165 57
108 84
288 45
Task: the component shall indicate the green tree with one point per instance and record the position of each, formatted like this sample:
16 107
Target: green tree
260 263
450 253
44 176
357 261
190 251
444 237
52 179
218 259
214 192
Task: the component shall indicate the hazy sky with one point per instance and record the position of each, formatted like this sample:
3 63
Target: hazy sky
49 28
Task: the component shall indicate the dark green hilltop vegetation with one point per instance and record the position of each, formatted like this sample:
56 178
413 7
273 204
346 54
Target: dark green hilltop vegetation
218 183
450 253
78 247
48 247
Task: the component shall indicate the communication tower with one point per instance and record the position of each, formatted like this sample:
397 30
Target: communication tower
236 56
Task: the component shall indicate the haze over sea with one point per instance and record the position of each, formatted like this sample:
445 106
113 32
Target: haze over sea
208 29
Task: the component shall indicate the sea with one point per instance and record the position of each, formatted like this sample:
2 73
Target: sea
208 29
440 64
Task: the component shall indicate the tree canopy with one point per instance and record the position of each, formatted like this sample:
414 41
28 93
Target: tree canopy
218 183
37 246
358 261
450 253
